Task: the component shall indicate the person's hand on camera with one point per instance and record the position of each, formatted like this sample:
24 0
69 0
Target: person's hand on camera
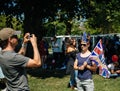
24 44
26 39
33 40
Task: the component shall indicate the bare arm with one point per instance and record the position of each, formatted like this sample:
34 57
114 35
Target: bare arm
115 72
92 67
118 71
82 67
36 61
75 64
24 44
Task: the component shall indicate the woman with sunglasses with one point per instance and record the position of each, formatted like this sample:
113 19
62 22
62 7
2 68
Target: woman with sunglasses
85 67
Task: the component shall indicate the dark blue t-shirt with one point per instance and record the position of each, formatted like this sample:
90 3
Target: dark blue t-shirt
86 73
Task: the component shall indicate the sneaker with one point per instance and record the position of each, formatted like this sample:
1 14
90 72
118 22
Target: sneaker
75 88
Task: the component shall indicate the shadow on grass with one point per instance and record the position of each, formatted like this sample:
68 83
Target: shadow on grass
46 73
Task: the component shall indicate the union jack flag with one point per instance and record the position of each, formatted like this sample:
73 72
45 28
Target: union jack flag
98 52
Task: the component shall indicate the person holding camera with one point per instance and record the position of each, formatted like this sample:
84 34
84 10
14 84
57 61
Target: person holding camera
13 64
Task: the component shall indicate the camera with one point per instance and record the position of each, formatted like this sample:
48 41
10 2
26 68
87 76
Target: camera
29 36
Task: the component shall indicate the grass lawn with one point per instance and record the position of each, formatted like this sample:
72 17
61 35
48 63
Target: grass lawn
57 80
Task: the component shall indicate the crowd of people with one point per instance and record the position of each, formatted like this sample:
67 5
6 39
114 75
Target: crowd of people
73 55
111 47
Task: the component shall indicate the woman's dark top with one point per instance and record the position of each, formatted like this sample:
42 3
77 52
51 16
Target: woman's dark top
70 63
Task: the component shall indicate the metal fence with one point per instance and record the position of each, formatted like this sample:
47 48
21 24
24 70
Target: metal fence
94 38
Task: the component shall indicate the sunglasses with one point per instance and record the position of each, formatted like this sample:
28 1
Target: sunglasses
83 44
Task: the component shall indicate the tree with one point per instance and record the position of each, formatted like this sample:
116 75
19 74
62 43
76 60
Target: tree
105 16
102 16
36 12
13 22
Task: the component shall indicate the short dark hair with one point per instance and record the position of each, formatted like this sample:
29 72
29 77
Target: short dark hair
4 43
14 36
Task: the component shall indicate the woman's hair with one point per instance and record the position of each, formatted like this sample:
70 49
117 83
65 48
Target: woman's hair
71 41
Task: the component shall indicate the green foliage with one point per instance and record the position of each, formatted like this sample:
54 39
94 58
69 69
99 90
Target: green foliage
2 21
13 23
55 28
105 16
76 30
50 28
17 24
60 29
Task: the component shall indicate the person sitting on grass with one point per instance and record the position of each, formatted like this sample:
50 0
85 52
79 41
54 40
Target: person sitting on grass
114 69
